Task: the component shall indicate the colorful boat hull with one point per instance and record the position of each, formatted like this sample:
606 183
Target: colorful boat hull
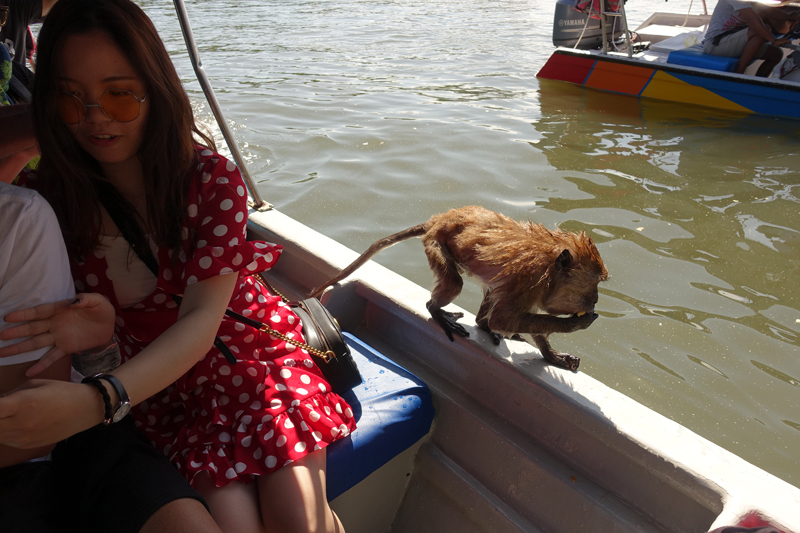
687 85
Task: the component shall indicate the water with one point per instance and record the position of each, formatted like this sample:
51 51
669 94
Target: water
361 118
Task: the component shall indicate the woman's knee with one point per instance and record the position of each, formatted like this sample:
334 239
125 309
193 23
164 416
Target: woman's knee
294 498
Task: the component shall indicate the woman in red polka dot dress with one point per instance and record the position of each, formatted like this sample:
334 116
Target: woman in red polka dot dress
249 436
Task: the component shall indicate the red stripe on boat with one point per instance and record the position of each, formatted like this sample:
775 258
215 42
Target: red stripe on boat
567 68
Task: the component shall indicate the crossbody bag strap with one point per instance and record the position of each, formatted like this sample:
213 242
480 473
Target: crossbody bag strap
123 224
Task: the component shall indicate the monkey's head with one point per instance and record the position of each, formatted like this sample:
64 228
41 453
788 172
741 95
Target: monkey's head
574 276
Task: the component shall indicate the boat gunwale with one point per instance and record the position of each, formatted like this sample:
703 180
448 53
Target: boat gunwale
670 67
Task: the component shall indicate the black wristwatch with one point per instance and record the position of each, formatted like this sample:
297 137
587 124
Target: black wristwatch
124 406
108 410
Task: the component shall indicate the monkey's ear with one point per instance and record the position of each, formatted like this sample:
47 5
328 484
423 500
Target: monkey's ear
563 261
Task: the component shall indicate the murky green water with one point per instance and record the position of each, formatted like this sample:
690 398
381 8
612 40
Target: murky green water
361 118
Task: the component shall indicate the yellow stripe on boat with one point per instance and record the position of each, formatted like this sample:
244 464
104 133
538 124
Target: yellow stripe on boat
665 86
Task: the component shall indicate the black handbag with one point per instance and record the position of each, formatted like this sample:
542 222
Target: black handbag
324 340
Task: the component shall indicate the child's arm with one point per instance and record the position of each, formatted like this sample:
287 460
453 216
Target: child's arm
12 377
44 412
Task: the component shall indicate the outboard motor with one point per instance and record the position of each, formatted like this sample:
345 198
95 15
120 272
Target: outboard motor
581 29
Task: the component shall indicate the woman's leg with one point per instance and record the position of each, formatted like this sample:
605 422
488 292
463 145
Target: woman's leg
234 507
293 498
185 515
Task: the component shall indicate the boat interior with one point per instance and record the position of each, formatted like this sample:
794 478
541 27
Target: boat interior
515 444
469 436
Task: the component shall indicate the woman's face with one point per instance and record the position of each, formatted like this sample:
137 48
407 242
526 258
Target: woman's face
92 64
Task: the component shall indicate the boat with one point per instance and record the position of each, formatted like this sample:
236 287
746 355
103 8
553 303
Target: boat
663 59
469 436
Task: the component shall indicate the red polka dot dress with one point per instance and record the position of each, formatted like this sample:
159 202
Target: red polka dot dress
233 421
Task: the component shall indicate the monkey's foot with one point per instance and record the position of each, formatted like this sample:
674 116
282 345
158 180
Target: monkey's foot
564 360
449 323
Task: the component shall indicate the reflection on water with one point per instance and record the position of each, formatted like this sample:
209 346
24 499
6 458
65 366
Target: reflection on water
697 212
361 118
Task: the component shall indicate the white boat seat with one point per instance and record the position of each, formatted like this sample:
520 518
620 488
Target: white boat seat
393 411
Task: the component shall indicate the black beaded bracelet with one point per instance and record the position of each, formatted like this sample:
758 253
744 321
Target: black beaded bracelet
91 380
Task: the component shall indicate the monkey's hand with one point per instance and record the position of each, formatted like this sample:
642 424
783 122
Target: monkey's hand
581 322
448 322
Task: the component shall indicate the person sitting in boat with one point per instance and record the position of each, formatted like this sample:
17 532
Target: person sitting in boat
77 487
745 30
14 33
111 115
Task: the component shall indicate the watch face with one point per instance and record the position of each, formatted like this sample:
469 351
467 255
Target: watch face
122 411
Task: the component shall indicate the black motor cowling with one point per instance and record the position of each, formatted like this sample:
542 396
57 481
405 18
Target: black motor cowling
572 27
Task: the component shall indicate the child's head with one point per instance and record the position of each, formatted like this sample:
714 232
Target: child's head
165 146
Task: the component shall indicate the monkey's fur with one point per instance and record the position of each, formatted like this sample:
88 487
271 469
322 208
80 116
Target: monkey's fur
523 267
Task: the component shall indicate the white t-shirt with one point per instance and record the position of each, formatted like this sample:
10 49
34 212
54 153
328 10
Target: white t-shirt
34 268
726 17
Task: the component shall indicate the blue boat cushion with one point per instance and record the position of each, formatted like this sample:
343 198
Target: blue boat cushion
393 410
694 57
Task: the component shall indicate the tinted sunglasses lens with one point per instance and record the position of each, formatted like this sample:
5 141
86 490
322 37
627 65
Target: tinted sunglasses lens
3 15
121 106
70 108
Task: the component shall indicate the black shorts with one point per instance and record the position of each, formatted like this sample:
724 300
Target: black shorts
108 478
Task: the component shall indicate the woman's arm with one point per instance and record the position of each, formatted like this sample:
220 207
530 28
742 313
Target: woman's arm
174 352
44 412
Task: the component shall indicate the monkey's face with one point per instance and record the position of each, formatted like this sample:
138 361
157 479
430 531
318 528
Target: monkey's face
574 294
574 281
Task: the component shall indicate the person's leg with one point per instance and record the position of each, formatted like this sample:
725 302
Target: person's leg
186 515
293 499
121 483
772 55
234 507
750 51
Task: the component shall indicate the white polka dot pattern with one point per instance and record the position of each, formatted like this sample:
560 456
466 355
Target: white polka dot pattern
234 422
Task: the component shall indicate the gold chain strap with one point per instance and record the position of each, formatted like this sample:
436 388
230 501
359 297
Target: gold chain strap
326 356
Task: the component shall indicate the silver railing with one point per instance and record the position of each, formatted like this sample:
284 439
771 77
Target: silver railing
194 55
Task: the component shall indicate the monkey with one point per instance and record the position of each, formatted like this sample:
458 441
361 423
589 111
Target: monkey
523 268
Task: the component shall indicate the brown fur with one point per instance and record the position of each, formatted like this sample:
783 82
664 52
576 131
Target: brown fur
523 267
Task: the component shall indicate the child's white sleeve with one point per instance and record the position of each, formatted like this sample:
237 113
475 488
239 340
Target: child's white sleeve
34 267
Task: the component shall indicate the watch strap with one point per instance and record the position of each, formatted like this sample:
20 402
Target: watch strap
117 384
123 407
95 382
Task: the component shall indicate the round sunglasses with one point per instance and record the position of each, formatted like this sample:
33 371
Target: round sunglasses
117 104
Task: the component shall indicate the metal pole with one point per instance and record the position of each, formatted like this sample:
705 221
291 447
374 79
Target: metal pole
183 18
603 28
625 27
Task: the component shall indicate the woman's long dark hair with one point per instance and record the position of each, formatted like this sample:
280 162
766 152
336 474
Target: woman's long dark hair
68 177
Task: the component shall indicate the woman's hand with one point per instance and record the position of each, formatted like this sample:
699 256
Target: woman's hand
43 412
68 326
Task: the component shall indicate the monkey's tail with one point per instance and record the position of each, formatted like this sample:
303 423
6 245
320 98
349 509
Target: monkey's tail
377 246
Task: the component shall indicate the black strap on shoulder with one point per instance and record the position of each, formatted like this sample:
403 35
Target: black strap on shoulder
128 229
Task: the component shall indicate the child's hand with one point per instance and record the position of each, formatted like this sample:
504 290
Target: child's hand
67 326
42 412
